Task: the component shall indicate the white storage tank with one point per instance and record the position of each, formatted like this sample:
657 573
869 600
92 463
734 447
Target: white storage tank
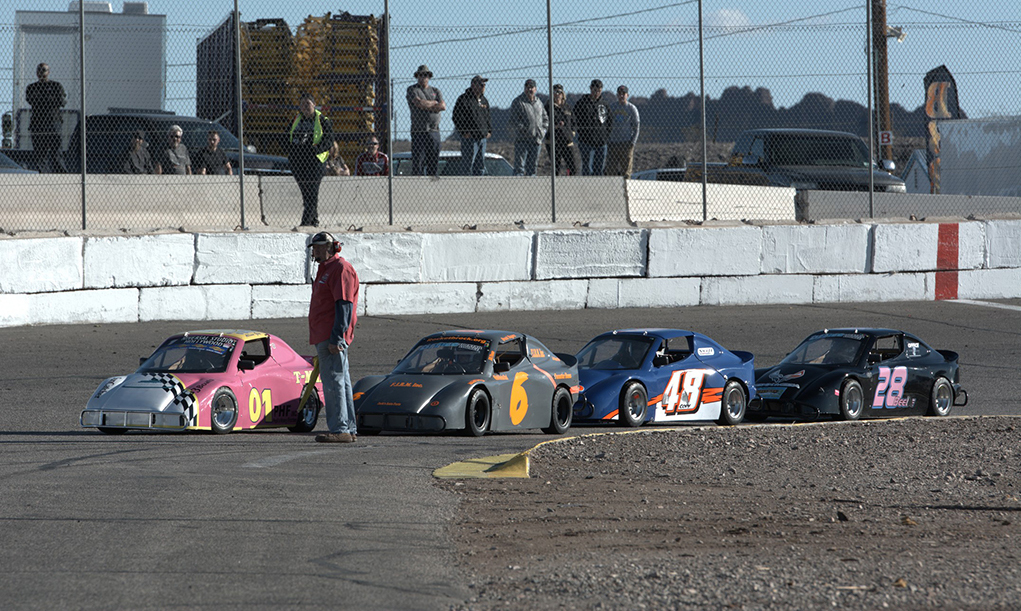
125 60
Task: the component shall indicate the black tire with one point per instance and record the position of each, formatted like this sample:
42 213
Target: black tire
110 431
309 415
634 405
223 411
369 432
477 414
561 414
852 400
734 404
941 398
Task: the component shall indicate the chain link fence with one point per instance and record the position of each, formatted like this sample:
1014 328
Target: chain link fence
925 86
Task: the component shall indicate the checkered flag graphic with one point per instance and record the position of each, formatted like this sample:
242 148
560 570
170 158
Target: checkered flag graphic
182 396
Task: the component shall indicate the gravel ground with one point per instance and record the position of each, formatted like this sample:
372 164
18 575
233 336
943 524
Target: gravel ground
919 513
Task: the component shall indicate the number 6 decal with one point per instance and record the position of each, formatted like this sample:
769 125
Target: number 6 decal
890 388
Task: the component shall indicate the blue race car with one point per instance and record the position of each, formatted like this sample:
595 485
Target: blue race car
636 376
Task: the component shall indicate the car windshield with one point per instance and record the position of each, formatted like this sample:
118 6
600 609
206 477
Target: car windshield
191 354
196 134
444 356
828 349
615 352
793 149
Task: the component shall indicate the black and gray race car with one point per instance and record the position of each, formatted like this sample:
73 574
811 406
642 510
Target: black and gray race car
859 373
471 381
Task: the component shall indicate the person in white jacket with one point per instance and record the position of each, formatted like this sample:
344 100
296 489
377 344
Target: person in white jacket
530 122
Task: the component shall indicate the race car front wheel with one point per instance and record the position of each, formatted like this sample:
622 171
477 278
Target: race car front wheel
734 404
941 399
561 414
309 415
852 399
477 413
634 403
223 413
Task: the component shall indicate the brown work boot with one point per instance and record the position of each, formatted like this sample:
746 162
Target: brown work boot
336 438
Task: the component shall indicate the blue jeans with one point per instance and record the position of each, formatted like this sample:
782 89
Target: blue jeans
473 156
425 153
593 159
526 155
340 403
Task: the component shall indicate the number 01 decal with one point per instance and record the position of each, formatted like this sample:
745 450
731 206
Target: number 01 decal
890 388
518 399
684 391
257 405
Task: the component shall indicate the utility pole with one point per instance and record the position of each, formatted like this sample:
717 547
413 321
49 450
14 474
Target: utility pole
882 87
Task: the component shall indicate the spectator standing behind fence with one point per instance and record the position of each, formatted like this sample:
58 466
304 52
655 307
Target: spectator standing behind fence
308 143
136 159
624 123
563 130
372 162
471 120
335 165
530 122
426 104
212 159
592 119
174 158
46 98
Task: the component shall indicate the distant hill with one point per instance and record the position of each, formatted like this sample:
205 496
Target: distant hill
667 119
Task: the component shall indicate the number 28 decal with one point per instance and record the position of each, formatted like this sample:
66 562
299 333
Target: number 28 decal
890 388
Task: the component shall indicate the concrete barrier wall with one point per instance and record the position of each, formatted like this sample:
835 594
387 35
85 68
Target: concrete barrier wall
253 275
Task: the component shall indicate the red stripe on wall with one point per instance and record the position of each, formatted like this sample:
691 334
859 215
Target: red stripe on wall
946 261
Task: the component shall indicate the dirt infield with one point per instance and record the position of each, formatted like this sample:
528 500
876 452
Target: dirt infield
918 513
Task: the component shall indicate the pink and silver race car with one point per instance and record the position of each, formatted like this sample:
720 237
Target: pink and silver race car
195 380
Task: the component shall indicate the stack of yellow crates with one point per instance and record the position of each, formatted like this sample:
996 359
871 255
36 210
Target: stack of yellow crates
267 71
336 59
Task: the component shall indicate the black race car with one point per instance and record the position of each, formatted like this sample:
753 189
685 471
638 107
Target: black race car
855 373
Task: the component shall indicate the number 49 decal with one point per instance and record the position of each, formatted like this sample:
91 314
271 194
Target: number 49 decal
683 392
890 388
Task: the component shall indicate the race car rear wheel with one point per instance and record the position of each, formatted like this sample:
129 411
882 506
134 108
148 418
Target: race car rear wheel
477 414
734 404
852 400
309 415
634 405
561 413
223 413
941 399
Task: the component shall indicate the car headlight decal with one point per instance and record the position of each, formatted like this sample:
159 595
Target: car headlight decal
107 385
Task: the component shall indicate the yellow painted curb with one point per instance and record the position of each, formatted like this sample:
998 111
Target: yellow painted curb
504 465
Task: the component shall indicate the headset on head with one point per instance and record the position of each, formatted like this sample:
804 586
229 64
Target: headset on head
334 243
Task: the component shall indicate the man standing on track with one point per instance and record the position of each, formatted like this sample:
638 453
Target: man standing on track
332 314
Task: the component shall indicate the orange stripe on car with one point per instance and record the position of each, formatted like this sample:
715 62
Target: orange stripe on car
611 415
655 400
548 376
712 395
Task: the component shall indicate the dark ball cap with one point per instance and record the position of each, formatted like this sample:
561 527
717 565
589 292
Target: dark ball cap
530 83
323 238
596 83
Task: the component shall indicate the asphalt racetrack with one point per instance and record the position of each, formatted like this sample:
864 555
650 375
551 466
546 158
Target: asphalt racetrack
273 520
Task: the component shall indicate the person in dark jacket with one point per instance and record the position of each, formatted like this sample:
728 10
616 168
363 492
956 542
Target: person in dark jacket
46 98
309 141
563 129
471 120
592 119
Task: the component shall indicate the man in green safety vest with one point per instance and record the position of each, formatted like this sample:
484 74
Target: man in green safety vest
309 142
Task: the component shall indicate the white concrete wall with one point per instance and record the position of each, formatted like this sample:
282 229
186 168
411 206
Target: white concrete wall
256 275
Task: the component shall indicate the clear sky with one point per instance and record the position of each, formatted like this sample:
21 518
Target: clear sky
790 48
